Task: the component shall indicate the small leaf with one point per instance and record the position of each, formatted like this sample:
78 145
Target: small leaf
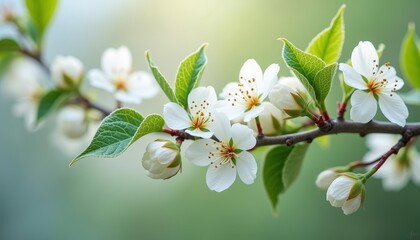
50 102
304 65
189 74
323 82
164 85
281 168
41 12
118 131
410 57
8 45
328 44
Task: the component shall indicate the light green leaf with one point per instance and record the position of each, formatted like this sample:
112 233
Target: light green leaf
410 57
8 45
304 65
50 102
164 85
323 82
41 12
328 44
118 131
281 168
189 74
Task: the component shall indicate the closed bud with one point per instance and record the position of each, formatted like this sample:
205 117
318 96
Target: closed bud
325 178
66 72
72 121
162 159
347 192
271 119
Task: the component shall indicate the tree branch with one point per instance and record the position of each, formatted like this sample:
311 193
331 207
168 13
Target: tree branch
340 127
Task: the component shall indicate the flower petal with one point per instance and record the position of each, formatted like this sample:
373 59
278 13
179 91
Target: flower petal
232 112
220 177
116 62
364 59
247 167
251 70
243 137
221 127
199 152
175 116
352 205
253 113
364 106
142 84
352 78
98 79
339 191
393 107
270 79
127 97
199 133
202 95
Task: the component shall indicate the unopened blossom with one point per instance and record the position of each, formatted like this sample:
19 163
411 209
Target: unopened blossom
271 119
373 82
118 77
198 120
289 95
398 169
346 192
325 178
72 121
162 159
243 99
24 83
227 156
66 72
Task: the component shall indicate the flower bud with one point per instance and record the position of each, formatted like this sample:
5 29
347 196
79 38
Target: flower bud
162 159
72 121
290 96
66 72
325 178
347 192
271 119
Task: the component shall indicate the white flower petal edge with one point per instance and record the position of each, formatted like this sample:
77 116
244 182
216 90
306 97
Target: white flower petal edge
364 106
325 178
393 108
175 116
344 193
225 156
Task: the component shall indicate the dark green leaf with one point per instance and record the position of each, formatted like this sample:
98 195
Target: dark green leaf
50 102
281 168
118 131
189 74
410 57
8 45
164 85
328 44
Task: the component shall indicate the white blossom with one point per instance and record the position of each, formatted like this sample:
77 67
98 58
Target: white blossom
226 156
198 120
162 159
398 169
347 193
285 93
117 77
66 72
244 99
371 82
24 82
72 121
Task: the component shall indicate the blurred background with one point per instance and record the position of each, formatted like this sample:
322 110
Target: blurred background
42 198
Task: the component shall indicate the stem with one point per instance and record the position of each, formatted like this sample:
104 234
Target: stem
394 150
118 104
341 109
37 57
89 104
362 164
326 116
179 141
260 130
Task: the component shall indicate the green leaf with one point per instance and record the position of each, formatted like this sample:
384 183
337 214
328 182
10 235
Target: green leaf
50 102
328 44
164 85
41 12
189 74
118 131
410 57
8 45
304 65
281 168
323 82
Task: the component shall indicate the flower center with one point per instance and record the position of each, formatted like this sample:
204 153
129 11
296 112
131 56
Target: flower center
226 155
200 114
246 95
120 84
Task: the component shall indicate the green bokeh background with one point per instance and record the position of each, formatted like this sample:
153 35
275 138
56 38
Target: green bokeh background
41 198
